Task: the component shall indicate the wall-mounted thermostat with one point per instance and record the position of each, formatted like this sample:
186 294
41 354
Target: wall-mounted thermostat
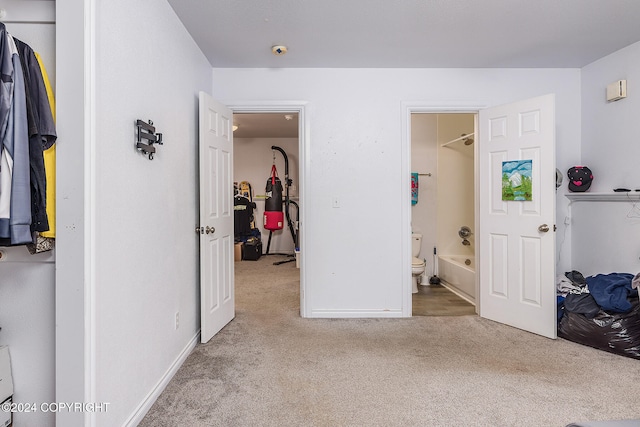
617 90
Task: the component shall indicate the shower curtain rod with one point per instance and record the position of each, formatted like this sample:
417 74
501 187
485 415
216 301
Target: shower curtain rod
458 139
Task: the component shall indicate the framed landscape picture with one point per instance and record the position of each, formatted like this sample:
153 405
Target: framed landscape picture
516 180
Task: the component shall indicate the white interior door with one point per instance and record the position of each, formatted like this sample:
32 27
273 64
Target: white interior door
517 239
217 304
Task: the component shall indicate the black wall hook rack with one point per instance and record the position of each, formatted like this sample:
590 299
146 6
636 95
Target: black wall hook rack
146 131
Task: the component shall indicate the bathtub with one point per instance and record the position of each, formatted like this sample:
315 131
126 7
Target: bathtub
458 276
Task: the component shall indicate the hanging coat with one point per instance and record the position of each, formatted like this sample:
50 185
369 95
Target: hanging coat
15 208
42 133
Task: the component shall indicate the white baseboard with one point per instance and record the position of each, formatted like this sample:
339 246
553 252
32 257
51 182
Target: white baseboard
458 292
153 395
365 313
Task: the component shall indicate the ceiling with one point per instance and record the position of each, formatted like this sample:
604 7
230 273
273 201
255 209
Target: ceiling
266 125
403 34
410 33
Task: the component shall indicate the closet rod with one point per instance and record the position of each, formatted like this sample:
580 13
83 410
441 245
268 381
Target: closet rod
17 21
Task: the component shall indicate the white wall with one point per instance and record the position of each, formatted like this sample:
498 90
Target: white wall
27 285
27 319
72 248
354 253
136 217
608 128
252 160
604 239
146 250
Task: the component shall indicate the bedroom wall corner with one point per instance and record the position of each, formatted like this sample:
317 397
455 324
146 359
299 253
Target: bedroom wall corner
146 252
602 230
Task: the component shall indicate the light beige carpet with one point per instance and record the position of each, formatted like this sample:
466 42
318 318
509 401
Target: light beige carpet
269 367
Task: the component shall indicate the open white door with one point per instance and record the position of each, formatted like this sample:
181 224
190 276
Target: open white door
517 239
217 303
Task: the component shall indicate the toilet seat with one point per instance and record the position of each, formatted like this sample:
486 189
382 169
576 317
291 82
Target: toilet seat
417 262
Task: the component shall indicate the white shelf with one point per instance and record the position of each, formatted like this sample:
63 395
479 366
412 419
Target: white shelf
631 196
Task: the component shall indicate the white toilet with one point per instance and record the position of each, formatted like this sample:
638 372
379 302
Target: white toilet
418 265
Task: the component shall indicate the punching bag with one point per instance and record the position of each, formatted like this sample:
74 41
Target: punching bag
273 215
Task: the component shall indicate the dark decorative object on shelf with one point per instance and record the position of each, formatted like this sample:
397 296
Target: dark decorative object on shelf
580 178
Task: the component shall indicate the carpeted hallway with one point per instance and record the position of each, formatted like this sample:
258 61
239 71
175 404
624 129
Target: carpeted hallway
269 367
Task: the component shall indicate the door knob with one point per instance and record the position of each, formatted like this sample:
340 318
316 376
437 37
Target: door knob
199 230
543 228
209 230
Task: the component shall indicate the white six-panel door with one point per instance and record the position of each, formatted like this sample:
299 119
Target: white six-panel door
517 239
217 304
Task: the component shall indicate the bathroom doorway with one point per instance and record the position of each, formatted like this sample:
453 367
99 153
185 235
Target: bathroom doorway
443 156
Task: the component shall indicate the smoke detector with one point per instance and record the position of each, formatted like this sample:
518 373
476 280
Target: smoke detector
278 50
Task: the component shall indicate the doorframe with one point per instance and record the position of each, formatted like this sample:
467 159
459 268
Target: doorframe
302 109
442 107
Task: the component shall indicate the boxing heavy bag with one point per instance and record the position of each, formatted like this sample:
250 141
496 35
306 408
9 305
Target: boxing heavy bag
273 215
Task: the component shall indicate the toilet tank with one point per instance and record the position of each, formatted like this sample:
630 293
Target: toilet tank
416 244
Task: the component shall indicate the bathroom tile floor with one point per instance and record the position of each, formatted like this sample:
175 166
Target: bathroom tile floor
436 300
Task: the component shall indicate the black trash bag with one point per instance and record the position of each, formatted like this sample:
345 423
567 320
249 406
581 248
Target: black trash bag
617 333
582 304
243 216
